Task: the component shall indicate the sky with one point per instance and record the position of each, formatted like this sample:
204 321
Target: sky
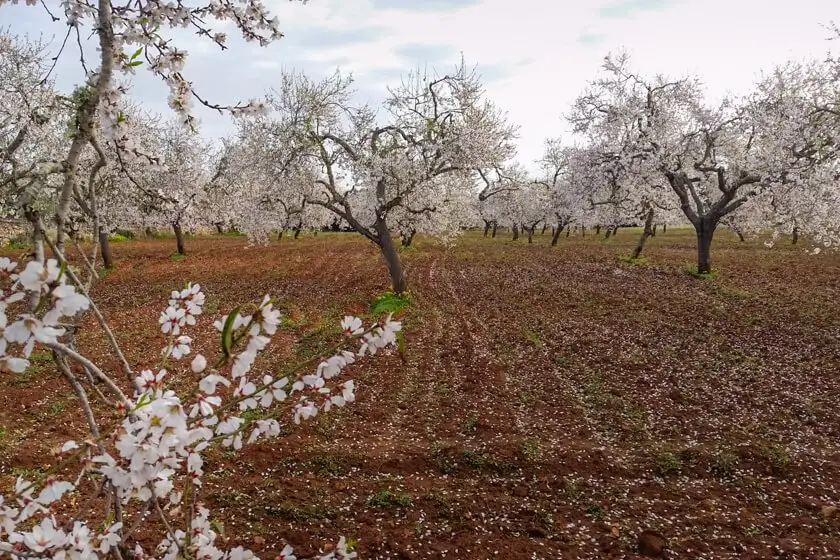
535 56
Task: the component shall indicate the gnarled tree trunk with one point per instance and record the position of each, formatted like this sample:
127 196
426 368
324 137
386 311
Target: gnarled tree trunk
105 249
179 238
297 232
557 231
406 239
495 225
705 228
795 239
391 256
597 230
515 232
487 227
646 232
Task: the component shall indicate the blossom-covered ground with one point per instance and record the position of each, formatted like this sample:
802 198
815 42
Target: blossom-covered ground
550 403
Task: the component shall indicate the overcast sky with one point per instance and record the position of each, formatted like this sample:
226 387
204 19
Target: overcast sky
535 55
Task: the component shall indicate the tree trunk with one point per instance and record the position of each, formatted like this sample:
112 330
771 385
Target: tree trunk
105 248
515 232
219 228
597 230
568 231
279 235
391 256
530 232
486 227
407 239
148 232
653 233
315 233
705 232
557 231
583 231
646 232
495 225
664 228
543 229
795 238
609 233
297 232
179 238
615 231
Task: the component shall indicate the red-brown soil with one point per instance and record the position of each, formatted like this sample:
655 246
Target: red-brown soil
552 402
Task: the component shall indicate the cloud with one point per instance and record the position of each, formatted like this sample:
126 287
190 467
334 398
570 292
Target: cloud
622 9
498 72
590 39
419 53
423 5
332 37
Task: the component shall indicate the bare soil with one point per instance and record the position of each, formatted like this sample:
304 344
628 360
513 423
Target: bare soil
551 402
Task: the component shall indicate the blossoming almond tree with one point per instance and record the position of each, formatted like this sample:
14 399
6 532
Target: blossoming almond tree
714 158
437 126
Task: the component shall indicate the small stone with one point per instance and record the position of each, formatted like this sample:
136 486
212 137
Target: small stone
614 532
258 540
651 544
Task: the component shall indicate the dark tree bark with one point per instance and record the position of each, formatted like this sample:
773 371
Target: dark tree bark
664 228
705 228
391 256
515 232
487 227
568 231
646 232
219 228
297 232
583 231
615 231
543 229
148 232
653 233
609 233
279 235
495 225
179 238
530 232
557 231
407 239
597 230
795 239
105 249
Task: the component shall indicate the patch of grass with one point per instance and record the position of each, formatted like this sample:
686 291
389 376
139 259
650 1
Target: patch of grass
532 450
231 233
388 499
596 511
691 270
733 293
19 243
57 408
390 302
117 237
638 261
32 475
534 339
177 257
468 426
299 513
724 463
776 456
103 272
666 463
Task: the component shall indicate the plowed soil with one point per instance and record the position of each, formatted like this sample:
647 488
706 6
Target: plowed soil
550 403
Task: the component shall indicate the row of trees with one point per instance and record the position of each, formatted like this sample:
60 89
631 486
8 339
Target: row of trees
438 156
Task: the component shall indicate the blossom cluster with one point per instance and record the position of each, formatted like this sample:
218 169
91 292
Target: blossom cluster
153 458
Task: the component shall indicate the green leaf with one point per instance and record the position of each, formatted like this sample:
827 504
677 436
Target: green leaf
137 53
135 63
227 331
401 342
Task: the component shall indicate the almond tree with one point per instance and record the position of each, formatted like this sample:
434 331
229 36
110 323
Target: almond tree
435 126
714 158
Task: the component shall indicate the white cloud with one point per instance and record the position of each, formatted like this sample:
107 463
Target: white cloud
537 55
